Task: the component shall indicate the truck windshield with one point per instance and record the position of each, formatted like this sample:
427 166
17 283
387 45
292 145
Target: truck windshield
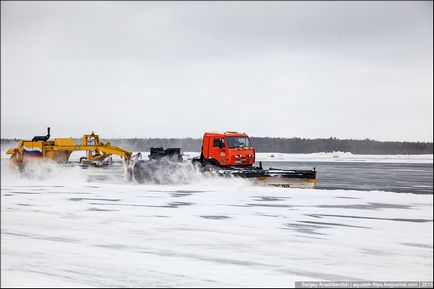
238 142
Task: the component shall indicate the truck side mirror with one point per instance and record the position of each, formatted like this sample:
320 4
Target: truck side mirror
221 144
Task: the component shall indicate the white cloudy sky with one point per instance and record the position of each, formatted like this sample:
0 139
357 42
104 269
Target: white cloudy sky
175 69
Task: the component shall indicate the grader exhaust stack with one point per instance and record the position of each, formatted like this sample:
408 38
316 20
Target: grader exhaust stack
42 138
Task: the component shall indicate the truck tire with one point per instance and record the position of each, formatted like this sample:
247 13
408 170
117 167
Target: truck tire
197 164
209 166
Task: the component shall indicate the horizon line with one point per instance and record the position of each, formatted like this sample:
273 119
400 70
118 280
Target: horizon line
274 137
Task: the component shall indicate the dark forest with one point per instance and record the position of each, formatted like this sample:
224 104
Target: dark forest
280 145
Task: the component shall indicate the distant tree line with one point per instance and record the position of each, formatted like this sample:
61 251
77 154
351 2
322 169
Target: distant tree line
367 146
280 145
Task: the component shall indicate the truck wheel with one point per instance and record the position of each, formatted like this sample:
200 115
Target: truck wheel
197 164
209 167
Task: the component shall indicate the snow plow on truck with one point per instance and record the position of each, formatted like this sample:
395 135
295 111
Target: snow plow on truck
228 154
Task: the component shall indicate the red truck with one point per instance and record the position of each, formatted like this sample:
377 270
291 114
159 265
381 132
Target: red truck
228 154
229 149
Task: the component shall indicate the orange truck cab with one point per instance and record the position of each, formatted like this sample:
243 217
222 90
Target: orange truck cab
226 149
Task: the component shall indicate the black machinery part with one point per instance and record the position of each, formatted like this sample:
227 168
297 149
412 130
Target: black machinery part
157 153
42 138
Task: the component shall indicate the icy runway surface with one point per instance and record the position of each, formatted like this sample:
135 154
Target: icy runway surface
65 231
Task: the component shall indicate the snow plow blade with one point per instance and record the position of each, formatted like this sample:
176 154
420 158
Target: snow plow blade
274 177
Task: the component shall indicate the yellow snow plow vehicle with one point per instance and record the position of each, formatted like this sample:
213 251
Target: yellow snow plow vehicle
60 149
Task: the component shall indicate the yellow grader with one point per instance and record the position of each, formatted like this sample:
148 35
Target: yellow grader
60 149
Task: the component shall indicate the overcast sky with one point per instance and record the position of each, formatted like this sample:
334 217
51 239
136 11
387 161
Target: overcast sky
177 69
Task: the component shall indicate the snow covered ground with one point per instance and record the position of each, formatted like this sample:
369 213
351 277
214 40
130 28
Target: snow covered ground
65 231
